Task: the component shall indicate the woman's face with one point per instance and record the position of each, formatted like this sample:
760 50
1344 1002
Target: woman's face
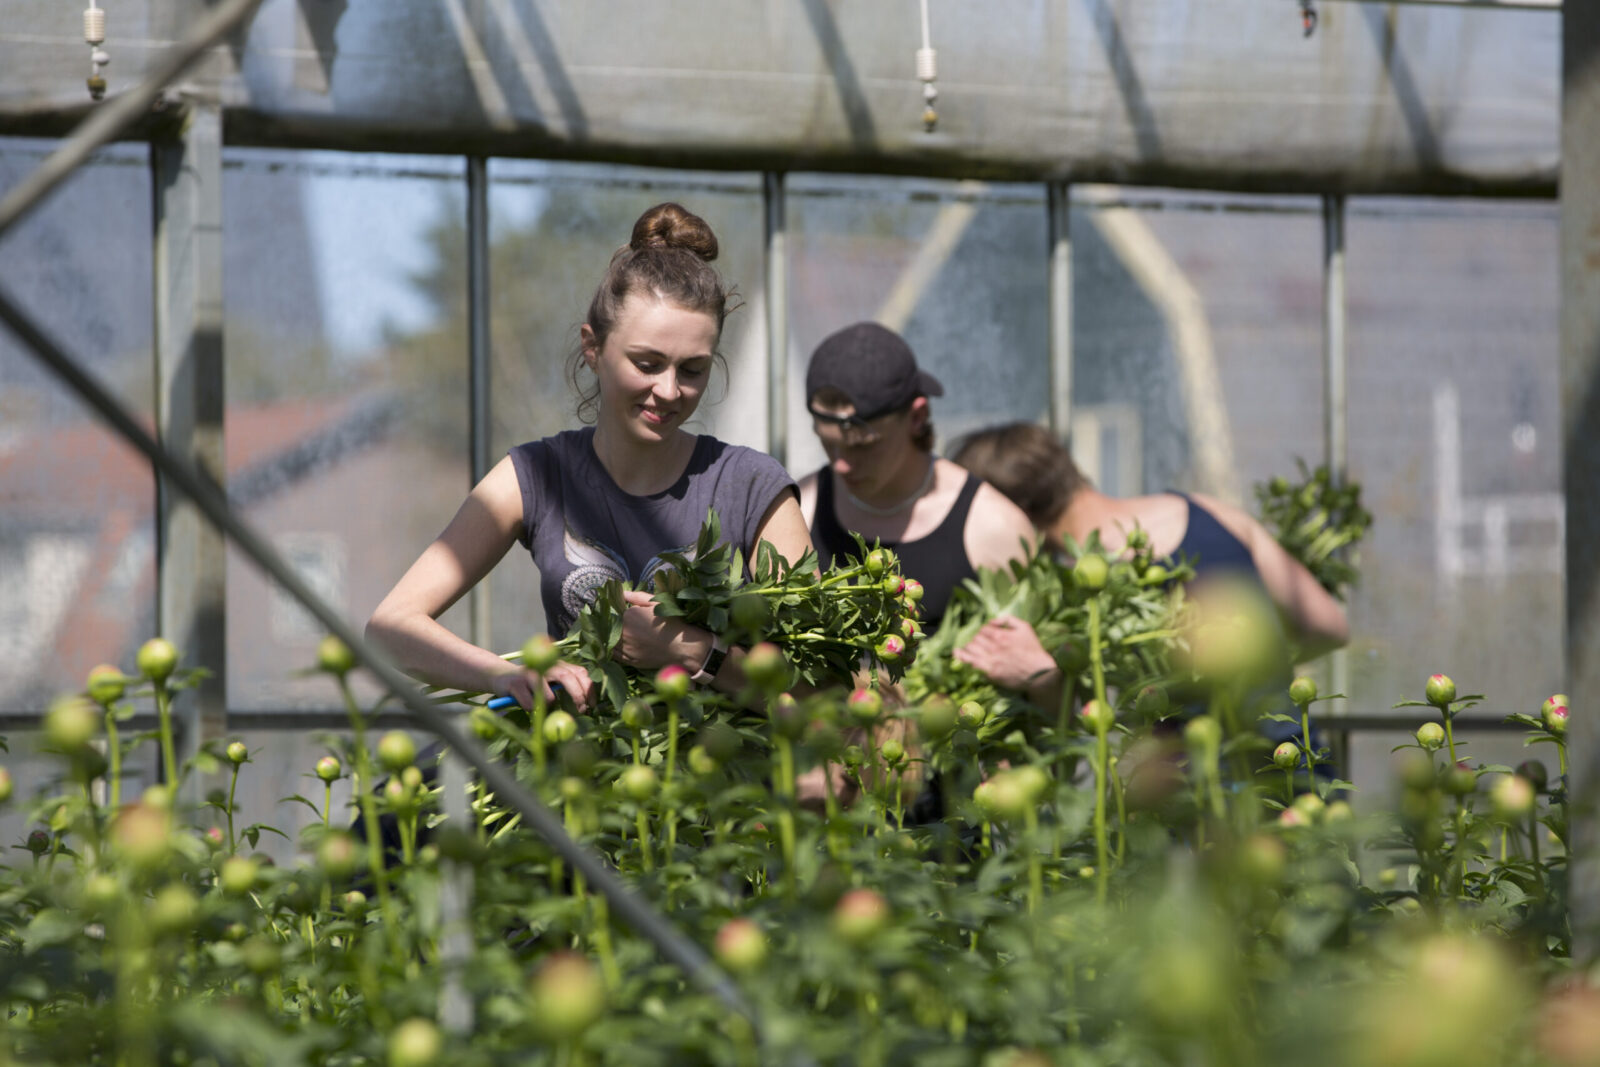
653 368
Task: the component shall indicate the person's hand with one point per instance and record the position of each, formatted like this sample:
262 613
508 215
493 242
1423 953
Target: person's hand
519 684
649 642
1008 653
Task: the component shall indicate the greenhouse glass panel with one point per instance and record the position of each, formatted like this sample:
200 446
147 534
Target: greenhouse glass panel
346 382
1197 339
959 268
553 229
77 506
1455 437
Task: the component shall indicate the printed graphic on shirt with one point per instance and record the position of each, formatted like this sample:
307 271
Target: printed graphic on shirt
595 564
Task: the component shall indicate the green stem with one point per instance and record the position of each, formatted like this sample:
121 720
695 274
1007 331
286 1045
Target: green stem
1035 871
1449 737
114 753
536 740
362 785
1095 654
1305 740
233 785
786 790
169 754
602 944
1122 811
1101 759
642 823
327 804
1101 753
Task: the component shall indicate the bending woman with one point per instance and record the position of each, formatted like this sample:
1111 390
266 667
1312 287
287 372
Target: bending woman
1026 463
605 501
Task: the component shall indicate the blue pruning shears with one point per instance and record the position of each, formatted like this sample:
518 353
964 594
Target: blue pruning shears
502 703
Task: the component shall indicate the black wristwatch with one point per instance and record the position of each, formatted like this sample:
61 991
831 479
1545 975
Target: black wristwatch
708 670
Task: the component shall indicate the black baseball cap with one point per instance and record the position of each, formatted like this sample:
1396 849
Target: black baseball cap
872 366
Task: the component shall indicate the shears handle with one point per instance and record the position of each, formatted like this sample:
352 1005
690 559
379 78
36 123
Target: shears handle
502 703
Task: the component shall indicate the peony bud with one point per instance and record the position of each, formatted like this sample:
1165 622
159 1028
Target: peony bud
567 996
937 717
1286 756
329 768
859 916
157 658
766 668
105 684
1555 717
1439 691
1430 735
560 726
334 657
237 753
741 946
396 750
864 705
1302 691
672 682
638 783
1512 798
415 1043
540 654
1097 716
1091 572
890 649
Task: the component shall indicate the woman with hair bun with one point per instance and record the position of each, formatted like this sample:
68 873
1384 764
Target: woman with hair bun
606 501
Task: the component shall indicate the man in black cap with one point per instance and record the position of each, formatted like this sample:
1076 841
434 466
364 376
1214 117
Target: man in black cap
869 406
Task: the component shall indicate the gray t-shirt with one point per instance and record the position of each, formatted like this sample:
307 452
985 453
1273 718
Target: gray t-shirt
582 530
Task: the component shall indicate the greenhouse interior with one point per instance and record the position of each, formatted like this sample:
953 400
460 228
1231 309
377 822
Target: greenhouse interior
282 281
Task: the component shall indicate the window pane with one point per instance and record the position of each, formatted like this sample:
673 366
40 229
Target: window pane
346 390
77 565
1455 437
959 269
554 227
1197 340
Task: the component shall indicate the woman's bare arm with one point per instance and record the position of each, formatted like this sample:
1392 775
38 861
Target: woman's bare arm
406 621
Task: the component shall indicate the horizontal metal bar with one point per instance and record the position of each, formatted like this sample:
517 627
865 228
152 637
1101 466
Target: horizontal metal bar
1490 5
1393 722
335 719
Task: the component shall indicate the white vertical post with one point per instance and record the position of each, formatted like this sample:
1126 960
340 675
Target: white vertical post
191 597
1335 399
777 294
1580 449
1059 206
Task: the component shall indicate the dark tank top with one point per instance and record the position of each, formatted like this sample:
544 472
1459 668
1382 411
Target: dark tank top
939 560
1214 551
1211 546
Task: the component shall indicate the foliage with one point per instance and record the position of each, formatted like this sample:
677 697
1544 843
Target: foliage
1107 888
1319 521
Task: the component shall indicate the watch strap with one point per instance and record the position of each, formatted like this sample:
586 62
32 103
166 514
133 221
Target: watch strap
708 670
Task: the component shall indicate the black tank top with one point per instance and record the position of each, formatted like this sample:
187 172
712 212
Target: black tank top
939 560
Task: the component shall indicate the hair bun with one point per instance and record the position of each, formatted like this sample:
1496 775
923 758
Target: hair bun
674 226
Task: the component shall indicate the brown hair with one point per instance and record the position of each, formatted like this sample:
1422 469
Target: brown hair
1026 463
669 257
